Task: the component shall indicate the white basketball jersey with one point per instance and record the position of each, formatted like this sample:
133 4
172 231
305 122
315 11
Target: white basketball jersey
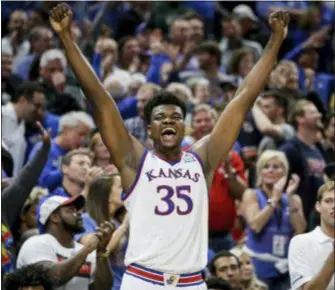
168 212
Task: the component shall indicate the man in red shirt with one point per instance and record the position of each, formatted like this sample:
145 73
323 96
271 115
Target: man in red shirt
228 184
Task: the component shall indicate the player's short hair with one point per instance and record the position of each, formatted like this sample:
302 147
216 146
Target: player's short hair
279 98
219 255
212 48
163 98
27 90
328 186
298 111
29 275
66 160
190 15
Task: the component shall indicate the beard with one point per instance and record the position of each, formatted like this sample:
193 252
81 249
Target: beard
77 228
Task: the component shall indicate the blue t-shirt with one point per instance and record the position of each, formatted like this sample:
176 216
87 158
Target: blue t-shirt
274 238
51 176
117 260
309 164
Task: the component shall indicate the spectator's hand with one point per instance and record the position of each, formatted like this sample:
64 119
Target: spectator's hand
134 65
59 81
45 135
104 232
318 38
172 51
111 169
61 18
107 63
293 184
278 188
93 173
87 29
309 78
229 169
157 47
278 21
98 45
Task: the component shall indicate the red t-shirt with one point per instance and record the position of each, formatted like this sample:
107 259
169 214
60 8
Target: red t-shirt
222 211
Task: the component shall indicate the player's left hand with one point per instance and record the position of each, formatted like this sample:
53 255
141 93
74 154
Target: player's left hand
278 21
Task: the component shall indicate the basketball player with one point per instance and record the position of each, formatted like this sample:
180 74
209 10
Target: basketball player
166 189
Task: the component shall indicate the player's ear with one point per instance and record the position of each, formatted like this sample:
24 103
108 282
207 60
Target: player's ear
149 131
317 206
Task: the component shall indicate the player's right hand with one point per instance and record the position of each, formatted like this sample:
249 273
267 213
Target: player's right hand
61 18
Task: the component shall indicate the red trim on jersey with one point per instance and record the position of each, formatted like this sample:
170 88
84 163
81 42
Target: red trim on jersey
155 276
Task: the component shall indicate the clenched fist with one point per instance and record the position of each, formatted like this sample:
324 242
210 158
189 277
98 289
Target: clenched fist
278 21
61 18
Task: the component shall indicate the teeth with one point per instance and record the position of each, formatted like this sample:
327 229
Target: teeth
169 130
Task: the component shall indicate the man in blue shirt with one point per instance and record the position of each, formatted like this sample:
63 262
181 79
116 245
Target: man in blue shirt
303 154
74 127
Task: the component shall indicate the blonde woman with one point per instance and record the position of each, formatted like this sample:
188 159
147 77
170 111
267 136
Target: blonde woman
249 280
273 215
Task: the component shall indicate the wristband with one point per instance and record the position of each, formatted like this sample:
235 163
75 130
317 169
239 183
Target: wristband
104 255
272 203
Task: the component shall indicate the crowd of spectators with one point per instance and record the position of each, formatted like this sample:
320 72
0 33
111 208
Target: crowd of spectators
271 204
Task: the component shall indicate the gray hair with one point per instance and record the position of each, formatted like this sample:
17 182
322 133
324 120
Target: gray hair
53 54
71 120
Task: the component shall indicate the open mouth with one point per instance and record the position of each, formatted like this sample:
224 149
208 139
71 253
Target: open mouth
168 134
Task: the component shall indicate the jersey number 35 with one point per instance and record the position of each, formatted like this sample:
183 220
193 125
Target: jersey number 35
182 193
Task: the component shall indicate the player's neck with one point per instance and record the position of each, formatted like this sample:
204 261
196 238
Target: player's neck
169 156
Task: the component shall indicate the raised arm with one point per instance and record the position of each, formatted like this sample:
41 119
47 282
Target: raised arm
216 147
120 144
14 196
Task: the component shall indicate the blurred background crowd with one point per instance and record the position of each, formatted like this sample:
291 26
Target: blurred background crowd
201 51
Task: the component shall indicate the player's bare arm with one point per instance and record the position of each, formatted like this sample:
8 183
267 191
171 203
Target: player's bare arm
213 149
125 150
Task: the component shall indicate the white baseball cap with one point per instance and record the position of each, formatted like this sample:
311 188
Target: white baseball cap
54 202
244 11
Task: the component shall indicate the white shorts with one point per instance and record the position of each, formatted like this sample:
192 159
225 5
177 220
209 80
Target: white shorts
139 278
